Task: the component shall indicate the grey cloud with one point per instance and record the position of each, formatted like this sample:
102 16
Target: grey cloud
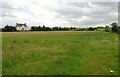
101 14
107 4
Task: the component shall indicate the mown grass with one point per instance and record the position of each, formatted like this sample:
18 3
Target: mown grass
60 53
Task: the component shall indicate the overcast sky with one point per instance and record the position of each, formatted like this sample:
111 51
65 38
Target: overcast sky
58 13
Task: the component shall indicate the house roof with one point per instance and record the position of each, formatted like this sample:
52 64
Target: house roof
21 24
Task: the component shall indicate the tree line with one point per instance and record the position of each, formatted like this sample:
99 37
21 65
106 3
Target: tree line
39 28
8 28
113 28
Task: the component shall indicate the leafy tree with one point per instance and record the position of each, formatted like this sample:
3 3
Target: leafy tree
9 29
114 27
33 28
39 28
91 29
107 29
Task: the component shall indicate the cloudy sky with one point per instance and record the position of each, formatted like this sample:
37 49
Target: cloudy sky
58 12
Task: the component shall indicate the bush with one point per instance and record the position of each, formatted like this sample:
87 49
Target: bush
108 29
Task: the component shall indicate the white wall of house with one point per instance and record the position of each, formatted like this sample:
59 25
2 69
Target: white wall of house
22 28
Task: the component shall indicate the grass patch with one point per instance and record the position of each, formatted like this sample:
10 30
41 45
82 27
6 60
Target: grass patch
60 53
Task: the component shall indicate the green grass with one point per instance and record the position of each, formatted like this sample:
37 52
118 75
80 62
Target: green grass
60 53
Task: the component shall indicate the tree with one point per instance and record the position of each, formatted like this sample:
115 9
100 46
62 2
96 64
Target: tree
33 28
107 28
55 28
114 27
9 29
91 29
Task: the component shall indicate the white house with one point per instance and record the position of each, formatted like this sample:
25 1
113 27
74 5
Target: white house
22 27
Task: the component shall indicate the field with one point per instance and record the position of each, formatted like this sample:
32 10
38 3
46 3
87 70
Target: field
59 53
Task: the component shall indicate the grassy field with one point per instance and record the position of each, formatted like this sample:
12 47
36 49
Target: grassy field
59 53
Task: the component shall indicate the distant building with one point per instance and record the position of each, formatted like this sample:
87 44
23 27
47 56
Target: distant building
22 27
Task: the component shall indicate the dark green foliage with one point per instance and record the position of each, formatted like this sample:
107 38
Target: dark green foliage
72 28
82 29
55 28
39 28
107 29
91 29
33 28
0 29
9 29
114 27
61 29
